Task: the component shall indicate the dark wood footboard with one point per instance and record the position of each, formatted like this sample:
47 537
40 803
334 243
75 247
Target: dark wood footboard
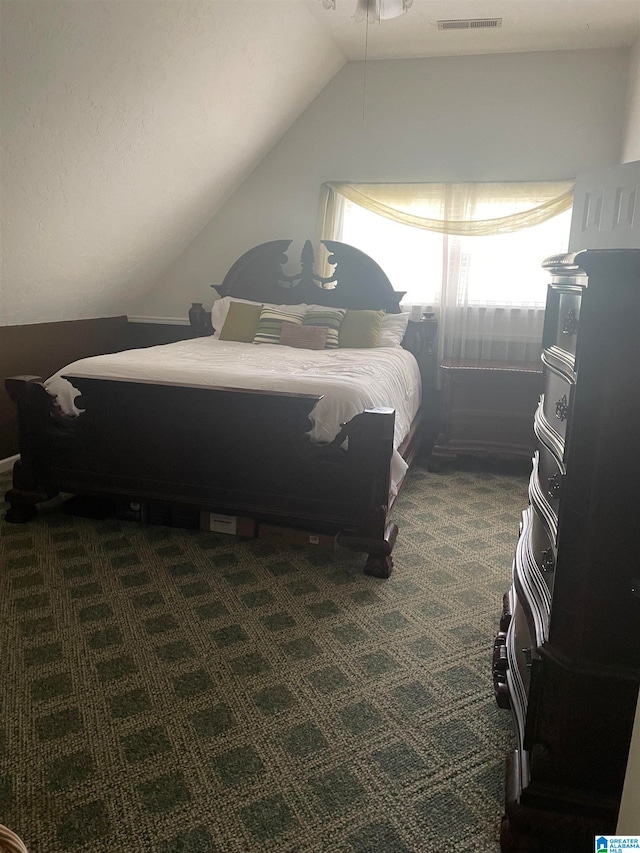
240 452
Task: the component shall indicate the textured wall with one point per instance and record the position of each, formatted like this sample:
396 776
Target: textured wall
125 126
631 150
528 116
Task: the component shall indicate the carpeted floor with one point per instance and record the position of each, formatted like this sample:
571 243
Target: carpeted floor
166 690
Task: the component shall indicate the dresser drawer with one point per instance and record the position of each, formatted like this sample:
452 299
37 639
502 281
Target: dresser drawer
549 478
533 573
556 401
520 648
545 507
542 549
568 321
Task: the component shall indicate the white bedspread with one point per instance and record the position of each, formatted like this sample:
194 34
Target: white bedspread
351 380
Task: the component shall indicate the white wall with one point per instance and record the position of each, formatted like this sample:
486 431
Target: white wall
631 150
507 117
125 126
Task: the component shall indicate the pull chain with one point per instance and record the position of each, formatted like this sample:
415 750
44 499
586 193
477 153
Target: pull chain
370 4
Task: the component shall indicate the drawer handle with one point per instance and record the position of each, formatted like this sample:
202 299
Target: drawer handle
553 489
547 563
500 659
570 326
500 667
562 408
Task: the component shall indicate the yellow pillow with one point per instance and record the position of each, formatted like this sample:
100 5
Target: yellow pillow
241 322
360 329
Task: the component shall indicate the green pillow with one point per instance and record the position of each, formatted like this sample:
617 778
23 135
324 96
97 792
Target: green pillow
241 322
360 329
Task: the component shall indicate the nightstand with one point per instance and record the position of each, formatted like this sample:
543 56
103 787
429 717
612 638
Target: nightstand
487 407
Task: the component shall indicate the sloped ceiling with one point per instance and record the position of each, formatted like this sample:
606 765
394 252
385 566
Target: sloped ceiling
125 126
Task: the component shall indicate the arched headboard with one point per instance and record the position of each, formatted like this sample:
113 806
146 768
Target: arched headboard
357 281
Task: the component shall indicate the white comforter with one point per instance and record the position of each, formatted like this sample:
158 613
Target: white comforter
351 380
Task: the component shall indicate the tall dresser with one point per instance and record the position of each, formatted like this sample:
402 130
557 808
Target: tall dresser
567 657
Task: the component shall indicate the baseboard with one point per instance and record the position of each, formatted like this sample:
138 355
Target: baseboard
7 464
159 321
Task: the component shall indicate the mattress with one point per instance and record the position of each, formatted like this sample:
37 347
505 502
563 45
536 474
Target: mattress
350 380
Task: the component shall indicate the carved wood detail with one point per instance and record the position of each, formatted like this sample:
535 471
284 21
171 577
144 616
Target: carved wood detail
356 282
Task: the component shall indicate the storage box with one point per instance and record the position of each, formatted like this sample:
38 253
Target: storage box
159 512
293 536
132 510
236 525
173 515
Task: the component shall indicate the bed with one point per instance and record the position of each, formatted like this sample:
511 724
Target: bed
273 434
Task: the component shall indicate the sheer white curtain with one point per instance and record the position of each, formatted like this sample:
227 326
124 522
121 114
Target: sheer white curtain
469 252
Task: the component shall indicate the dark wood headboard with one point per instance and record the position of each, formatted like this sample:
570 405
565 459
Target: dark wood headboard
357 281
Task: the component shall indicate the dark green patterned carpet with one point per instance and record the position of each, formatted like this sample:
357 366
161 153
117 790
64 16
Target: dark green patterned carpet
166 690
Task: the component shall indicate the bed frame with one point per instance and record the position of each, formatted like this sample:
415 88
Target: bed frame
175 447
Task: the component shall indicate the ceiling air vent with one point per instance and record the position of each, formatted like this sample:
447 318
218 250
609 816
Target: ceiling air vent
470 24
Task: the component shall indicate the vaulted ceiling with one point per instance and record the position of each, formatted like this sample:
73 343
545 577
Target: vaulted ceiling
126 125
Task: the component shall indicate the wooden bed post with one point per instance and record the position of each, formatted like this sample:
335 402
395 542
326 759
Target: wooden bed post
370 451
29 487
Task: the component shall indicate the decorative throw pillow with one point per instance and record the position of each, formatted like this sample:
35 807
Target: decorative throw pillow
241 322
328 318
392 330
360 329
303 337
271 319
220 309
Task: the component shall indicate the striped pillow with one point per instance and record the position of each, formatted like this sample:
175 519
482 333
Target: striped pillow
271 319
331 318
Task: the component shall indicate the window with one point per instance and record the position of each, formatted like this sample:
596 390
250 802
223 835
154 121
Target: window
494 270
470 252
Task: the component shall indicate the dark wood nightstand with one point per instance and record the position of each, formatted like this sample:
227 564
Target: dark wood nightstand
487 407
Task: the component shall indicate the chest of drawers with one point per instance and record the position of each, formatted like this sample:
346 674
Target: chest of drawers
567 657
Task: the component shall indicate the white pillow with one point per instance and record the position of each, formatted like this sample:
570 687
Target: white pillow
393 330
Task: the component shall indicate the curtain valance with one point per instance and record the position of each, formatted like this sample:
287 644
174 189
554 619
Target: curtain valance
456 208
